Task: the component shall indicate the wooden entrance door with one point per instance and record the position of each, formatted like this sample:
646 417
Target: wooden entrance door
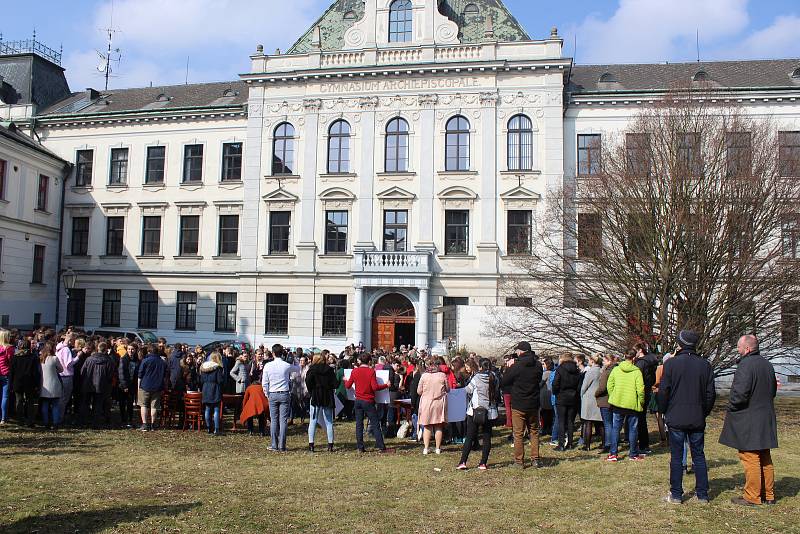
390 311
383 334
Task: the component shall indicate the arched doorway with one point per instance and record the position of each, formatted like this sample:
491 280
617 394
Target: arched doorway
393 322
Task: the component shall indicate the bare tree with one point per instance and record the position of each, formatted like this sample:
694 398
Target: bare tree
687 220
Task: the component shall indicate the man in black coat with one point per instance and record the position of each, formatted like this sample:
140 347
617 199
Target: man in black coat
750 424
686 396
522 378
96 380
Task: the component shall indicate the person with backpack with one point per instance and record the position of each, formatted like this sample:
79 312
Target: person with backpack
566 388
96 380
483 393
321 384
626 398
26 378
647 362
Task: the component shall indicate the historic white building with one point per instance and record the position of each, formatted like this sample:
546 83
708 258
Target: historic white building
373 183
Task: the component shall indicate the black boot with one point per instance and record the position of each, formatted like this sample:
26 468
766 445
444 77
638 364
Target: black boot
330 447
310 447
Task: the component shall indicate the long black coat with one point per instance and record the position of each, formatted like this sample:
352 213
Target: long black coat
26 373
567 384
522 379
750 424
686 393
321 383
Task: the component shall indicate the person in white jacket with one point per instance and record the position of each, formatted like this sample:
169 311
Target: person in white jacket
483 392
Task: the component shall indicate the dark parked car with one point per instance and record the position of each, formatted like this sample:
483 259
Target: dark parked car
240 346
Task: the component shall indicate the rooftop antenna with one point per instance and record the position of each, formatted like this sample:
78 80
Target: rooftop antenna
109 56
186 82
698 44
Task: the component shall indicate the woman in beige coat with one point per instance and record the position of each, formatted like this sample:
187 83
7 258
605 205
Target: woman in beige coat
432 392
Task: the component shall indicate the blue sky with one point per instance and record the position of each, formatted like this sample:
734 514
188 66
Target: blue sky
156 36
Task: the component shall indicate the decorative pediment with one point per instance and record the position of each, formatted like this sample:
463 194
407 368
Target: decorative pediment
520 197
191 207
153 208
456 197
280 199
396 198
337 197
116 208
80 209
229 207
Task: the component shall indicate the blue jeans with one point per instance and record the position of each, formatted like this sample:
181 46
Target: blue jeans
367 408
632 423
279 406
677 439
4 401
50 407
215 408
608 421
555 435
327 417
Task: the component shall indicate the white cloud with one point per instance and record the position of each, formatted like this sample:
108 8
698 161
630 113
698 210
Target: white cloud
779 40
156 36
658 30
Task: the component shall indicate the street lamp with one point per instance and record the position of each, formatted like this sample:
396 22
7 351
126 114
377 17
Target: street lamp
69 277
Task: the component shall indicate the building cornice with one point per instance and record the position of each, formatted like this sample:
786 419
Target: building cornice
739 95
147 116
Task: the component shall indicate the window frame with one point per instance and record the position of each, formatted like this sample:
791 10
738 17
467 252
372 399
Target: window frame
80 237
39 258
457 135
449 249
283 166
689 145
76 307
151 237
119 167
790 236
111 308
83 169
516 227
591 231
148 309
396 227
790 323
221 237
342 160
285 233
393 160
192 163
222 314
334 316
789 154
401 21
231 172
637 154
150 168
276 321
3 178
42 193
186 311
738 154
114 232
589 154
519 155
329 225
182 230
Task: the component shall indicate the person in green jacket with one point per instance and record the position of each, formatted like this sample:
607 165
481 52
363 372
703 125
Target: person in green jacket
626 398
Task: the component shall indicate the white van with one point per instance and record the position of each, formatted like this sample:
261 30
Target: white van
138 336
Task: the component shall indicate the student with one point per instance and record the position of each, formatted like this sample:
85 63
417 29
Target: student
522 379
432 389
365 381
6 352
212 380
152 373
626 398
566 388
50 393
97 374
25 377
321 384
483 393
275 380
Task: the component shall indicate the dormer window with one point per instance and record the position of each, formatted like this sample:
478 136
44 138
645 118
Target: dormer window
471 9
700 76
350 15
400 21
608 78
162 98
796 74
230 93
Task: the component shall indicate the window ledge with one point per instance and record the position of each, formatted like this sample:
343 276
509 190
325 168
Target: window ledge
38 284
117 187
227 257
278 256
81 188
187 257
191 186
457 173
77 256
4 201
224 332
332 337
42 212
334 256
113 257
520 255
455 257
284 335
186 330
282 177
406 174
149 257
518 173
154 186
338 177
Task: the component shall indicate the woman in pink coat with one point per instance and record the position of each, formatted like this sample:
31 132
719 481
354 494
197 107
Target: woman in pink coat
432 392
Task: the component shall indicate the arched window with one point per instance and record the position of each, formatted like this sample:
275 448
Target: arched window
520 143
283 149
400 21
457 144
397 145
339 147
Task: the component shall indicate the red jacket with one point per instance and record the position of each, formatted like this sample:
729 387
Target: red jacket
366 381
451 378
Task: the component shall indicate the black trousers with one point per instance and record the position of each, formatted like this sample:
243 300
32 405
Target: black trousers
644 435
547 422
262 424
100 408
485 431
125 406
566 424
26 407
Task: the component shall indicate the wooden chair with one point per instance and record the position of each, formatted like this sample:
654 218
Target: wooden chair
193 410
167 409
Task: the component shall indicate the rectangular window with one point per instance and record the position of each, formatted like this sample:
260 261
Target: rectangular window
151 236
115 233
190 235
37 320
277 323
119 166
156 159
3 173
148 309
232 162
228 235
38 264
334 315
192 163
790 230
741 321
519 302
279 226
335 232
689 153
589 154
450 316
590 236
186 310
41 196
789 153
76 307
456 231
637 153
790 323
84 164
395 230
80 236
739 153
638 236
226 313
520 232
112 300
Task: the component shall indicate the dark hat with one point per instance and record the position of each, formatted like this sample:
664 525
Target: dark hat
688 339
523 346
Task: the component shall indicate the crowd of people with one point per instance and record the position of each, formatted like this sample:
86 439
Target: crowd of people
76 378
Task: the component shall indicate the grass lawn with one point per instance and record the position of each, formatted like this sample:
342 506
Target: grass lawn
172 481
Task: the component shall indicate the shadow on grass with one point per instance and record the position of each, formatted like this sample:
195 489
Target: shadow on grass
94 520
47 444
785 487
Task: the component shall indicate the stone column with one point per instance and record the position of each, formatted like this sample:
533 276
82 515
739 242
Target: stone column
427 171
487 246
366 173
306 246
422 319
358 317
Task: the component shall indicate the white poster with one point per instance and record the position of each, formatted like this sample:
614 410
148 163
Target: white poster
457 405
381 397
338 406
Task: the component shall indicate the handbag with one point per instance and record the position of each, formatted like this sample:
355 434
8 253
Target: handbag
403 430
480 415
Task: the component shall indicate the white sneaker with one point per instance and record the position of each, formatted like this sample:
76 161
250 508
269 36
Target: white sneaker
438 451
425 452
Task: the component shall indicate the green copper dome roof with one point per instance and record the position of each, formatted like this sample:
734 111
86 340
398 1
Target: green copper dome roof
470 15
